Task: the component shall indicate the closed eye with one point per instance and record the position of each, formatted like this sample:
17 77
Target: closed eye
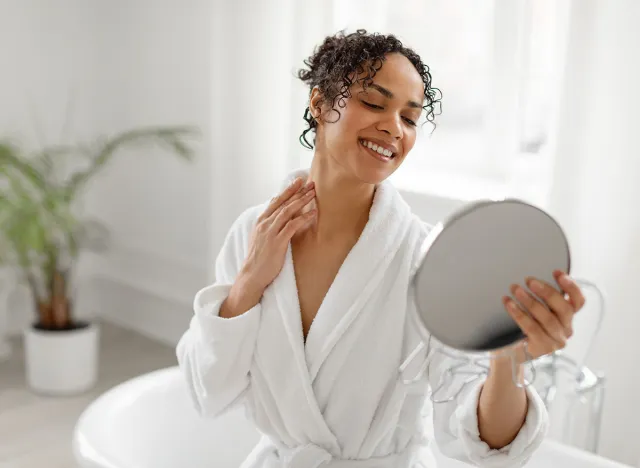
374 106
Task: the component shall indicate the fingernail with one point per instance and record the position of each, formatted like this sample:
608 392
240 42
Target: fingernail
520 294
536 286
564 280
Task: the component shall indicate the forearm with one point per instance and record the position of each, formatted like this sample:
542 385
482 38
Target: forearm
502 407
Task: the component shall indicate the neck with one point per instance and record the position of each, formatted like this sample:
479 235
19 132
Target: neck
343 202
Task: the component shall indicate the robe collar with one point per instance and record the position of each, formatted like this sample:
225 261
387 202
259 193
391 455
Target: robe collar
362 272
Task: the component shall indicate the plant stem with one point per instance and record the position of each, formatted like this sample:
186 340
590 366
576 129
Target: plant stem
59 300
44 314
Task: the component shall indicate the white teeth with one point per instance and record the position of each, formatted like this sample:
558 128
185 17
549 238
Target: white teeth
378 149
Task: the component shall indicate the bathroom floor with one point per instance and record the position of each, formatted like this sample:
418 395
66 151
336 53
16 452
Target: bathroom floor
35 430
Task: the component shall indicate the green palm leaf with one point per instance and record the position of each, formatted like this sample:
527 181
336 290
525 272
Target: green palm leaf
169 137
41 232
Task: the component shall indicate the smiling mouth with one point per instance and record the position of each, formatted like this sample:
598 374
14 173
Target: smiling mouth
377 151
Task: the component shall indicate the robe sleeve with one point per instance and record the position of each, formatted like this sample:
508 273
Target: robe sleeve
455 423
215 353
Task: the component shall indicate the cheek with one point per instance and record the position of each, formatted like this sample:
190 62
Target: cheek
350 122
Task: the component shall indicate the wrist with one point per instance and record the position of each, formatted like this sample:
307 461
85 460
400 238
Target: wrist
501 370
517 353
247 285
243 296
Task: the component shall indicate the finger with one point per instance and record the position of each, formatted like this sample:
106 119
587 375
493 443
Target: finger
529 326
572 289
545 317
289 210
278 200
556 302
295 224
296 196
303 192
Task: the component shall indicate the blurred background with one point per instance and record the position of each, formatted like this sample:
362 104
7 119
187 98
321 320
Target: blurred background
540 101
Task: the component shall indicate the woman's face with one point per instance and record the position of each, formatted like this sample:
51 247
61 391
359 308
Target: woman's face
382 118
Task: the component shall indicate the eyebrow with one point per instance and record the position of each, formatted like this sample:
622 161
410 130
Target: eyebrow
388 94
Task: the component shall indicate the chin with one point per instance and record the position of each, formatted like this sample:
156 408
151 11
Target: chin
373 170
365 168
372 175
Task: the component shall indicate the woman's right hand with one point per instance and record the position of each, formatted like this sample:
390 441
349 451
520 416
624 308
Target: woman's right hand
269 242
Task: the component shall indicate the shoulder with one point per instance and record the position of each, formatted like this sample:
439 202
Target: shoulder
418 229
235 246
244 223
248 218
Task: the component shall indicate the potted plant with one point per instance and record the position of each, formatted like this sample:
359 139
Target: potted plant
42 234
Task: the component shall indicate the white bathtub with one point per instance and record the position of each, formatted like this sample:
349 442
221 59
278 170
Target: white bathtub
149 422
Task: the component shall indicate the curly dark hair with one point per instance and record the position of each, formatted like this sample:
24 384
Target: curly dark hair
335 61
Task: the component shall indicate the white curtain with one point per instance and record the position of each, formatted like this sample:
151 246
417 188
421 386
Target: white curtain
595 194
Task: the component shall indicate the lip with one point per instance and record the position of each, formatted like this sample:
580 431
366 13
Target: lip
384 144
375 154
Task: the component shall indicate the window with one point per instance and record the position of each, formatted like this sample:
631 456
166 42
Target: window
497 63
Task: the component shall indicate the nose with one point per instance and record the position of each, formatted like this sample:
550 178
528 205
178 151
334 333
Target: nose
391 125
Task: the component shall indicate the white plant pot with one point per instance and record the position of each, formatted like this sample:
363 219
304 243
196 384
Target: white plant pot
62 362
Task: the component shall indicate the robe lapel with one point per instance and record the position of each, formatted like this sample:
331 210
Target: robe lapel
359 276
361 273
285 292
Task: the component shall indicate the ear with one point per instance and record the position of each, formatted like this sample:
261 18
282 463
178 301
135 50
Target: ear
315 103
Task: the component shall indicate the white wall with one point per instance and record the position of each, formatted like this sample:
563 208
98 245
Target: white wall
156 69
122 64
170 62
47 85
48 58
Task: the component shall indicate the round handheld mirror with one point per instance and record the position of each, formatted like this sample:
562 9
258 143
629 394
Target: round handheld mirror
470 260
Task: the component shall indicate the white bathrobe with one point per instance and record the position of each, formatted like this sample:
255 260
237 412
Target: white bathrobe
339 400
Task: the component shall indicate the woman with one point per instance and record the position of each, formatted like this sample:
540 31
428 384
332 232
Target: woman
307 324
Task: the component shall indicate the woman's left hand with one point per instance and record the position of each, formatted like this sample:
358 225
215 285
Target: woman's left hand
547 320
